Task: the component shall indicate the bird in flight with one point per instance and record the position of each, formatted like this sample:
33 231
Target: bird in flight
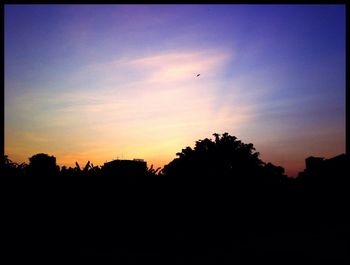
198 75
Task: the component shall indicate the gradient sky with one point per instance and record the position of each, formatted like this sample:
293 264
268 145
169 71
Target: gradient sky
101 82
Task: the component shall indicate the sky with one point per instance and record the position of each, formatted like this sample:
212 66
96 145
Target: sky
104 82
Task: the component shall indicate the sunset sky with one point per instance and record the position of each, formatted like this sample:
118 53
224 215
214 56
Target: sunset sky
101 82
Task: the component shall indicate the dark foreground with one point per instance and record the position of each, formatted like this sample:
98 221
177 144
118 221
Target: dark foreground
164 221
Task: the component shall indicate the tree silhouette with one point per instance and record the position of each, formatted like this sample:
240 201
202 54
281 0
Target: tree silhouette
151 172
43 165
12 169
224 157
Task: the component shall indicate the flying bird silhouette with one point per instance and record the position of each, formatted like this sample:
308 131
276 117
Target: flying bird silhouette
198 75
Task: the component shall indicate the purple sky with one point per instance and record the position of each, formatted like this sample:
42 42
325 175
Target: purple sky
100 82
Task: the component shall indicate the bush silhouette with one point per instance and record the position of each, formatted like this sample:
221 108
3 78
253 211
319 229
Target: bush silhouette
11 169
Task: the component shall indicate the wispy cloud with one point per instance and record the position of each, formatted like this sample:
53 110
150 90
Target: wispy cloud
138 106
100 82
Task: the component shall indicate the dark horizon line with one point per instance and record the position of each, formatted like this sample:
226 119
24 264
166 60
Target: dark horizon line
159 168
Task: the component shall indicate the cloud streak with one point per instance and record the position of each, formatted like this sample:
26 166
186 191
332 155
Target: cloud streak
100 82
137 106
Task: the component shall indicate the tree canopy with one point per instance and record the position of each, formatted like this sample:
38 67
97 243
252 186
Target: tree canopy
223 156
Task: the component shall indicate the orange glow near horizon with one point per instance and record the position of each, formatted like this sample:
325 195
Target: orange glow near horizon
121 81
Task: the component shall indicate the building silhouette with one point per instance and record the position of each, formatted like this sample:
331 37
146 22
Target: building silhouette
326 172
314 164
125 168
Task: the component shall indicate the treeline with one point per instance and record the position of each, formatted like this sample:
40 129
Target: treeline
44 166
216 203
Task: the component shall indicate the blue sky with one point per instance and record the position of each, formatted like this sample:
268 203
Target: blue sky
97 82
